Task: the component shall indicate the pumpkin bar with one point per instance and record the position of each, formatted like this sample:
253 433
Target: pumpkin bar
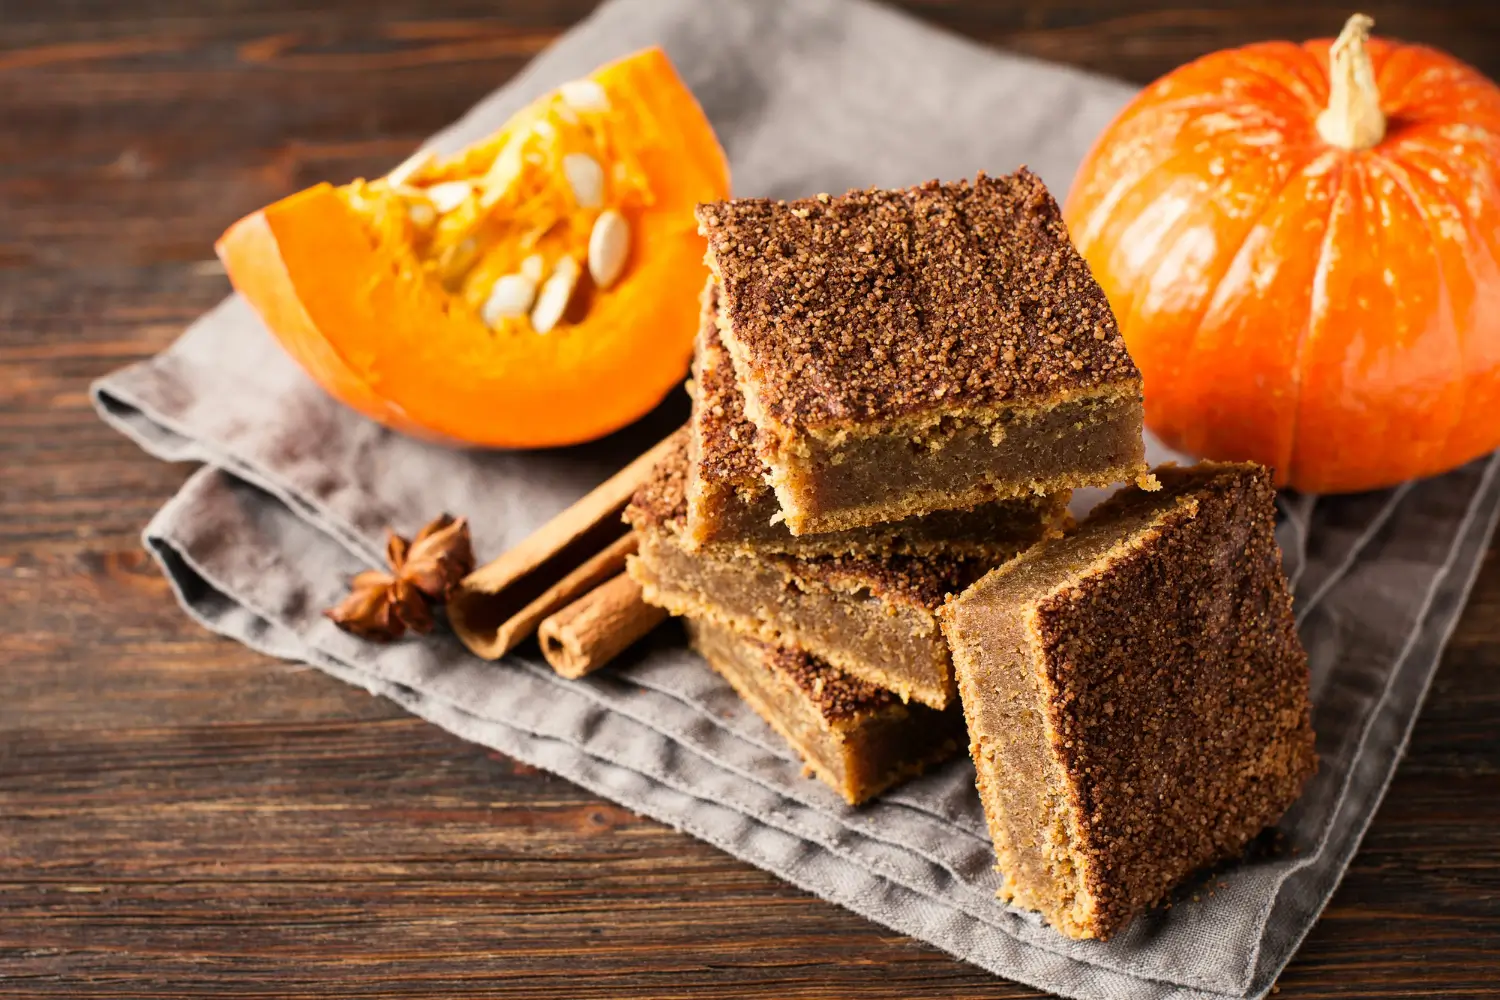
731 504
870 615
858 739
1136 696
933 348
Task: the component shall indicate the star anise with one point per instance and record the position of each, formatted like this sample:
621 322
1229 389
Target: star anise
436 559
368 611
381 606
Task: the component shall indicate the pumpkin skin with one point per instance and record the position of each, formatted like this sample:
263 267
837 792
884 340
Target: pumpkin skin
334 277
1331 312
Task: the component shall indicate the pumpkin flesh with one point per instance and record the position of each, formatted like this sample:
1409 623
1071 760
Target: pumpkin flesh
1328 312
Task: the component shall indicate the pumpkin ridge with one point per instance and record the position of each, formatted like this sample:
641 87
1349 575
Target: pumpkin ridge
1106 201
1430 137
1162 245
1309 73
1441 69
1403 178
1253 221
1395 94
1103 210
1314 310
1249 62
1156 118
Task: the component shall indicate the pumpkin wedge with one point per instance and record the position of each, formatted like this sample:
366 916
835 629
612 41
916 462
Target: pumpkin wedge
537 288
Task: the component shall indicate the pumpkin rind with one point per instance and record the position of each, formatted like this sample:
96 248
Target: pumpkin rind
1332 313
389 341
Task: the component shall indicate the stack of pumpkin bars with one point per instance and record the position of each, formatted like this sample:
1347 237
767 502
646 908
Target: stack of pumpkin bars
865 527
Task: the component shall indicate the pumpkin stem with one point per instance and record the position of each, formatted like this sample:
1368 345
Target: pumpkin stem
1353 119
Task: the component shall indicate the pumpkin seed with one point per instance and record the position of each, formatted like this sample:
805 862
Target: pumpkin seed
535 268
586 178
609 245
584 95
512 296
449 195
421 213
456 260
552 300
410 167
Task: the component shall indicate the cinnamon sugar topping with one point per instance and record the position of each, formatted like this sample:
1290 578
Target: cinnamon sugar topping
727 438
884 304
836 694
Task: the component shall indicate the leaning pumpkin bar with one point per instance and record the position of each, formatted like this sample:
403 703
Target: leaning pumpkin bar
533 289
731 505
870 615
1136 696
858 739
933 348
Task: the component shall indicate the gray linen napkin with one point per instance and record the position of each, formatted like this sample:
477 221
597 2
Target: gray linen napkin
808 95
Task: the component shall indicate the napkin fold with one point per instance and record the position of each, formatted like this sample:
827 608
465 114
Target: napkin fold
296 492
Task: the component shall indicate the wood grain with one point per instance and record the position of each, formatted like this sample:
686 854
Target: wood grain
181 817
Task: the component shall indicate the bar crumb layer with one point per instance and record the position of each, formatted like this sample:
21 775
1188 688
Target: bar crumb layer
858 739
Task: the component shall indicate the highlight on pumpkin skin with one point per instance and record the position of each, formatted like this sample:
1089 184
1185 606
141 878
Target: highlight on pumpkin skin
1301 243
536 288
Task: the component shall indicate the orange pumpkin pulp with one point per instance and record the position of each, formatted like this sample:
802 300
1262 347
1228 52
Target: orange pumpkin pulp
537 288
1302 246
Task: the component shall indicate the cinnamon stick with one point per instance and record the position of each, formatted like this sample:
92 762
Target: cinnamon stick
593 572
501 603
597 627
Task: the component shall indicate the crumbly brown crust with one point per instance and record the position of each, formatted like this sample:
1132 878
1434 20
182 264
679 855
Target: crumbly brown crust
879 305
661 501
835 694
1177 612
726 439
922 581
1159 646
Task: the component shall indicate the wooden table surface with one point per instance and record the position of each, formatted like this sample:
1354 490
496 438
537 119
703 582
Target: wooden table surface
182 817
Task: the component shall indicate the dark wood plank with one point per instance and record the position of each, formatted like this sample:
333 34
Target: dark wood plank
181 817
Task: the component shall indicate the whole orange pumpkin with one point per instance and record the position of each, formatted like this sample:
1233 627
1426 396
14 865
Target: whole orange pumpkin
1302 245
